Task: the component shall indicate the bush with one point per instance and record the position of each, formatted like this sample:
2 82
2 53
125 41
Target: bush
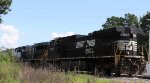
9 70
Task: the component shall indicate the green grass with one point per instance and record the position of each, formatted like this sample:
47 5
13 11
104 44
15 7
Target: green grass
9 73
9 70
84 78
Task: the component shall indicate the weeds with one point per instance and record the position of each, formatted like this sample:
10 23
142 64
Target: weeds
30 75
9 70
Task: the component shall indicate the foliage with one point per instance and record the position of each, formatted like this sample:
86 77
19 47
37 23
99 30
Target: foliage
9 73
145 23
128 20
4 7
114 22
131 20
9 70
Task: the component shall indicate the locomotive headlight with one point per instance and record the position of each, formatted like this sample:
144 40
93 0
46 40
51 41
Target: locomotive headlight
124 34
134 35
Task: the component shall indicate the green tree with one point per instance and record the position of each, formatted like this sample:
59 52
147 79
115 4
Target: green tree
145 23
4 7
113 22
131 20
127 20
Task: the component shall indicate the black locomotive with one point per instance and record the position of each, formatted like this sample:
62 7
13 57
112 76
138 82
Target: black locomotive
110 51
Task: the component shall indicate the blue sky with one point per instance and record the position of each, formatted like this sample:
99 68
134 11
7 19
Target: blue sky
36 20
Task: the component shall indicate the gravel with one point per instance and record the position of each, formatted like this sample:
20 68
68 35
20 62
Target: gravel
129 80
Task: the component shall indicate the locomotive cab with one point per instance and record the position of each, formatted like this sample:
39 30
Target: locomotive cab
116 49
127 42
127 62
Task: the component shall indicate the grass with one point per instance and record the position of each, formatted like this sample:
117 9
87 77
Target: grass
85 78
9 73
30 75
9 70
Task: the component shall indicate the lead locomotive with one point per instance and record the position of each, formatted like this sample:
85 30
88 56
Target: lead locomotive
110 51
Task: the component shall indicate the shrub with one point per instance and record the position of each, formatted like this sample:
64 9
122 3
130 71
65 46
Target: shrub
9 70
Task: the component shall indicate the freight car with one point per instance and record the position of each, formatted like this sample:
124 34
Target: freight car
110 51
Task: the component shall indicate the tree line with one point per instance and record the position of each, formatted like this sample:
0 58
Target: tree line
128 20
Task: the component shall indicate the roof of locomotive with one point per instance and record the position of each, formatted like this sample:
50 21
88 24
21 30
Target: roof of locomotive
131 29
41 43
23 46
76 36
72 36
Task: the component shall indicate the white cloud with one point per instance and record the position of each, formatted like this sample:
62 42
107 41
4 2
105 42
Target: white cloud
55 35
9 37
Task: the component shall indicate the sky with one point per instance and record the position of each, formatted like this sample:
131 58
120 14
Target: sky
34 21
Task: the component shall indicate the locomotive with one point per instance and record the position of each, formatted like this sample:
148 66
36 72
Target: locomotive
104 52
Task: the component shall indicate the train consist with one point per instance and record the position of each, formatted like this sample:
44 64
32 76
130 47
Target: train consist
105 52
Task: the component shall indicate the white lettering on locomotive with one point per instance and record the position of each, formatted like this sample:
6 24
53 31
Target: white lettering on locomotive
91 42
87 43
80 44
128 45
124 34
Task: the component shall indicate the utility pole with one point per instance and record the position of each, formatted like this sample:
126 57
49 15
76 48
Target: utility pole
149 42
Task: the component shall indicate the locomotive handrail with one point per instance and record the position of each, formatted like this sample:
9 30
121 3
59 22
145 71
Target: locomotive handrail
115 54
117 59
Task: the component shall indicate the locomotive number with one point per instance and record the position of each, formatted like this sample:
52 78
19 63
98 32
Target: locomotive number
125 34
89 51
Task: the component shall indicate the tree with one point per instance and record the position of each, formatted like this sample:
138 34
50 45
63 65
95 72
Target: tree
127 20
145 23
113 22
131 20
4 7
